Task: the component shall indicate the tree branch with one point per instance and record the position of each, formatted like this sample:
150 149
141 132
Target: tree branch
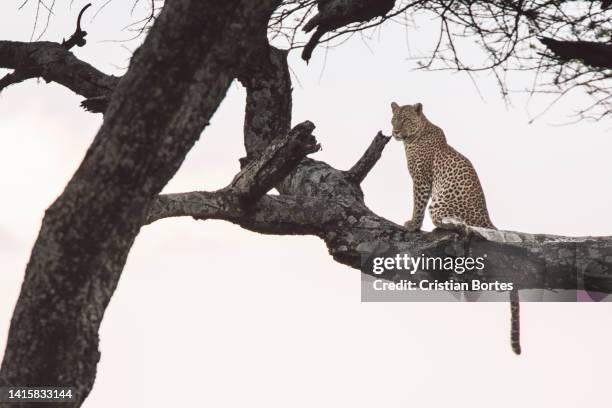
268 105
261 175
591 53
272 214
352 232
248 186
334 14
54 63
369 158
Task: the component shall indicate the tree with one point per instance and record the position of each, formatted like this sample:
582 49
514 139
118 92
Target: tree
152 117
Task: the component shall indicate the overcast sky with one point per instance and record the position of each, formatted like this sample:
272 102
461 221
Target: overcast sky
207 314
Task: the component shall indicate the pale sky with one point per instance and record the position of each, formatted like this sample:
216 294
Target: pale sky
208 314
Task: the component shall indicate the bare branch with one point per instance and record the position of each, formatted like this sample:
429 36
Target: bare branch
78 37
591 53
335 14
272 214
363 166
281 157
254 180
268 105
54 63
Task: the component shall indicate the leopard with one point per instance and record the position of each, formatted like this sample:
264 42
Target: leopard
446 177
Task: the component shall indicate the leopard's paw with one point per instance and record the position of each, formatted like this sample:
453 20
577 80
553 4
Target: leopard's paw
411 225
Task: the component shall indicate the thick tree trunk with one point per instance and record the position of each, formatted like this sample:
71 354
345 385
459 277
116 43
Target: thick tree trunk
175 83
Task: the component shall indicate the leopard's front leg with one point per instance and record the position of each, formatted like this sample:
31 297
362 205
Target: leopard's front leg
421 192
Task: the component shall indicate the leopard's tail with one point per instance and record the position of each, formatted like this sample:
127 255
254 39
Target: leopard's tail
515 330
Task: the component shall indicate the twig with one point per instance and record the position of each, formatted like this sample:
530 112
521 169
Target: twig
78 38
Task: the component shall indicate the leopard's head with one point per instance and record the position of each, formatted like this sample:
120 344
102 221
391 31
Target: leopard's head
407 121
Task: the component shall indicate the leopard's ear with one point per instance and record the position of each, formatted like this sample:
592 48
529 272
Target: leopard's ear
418 107
394 107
